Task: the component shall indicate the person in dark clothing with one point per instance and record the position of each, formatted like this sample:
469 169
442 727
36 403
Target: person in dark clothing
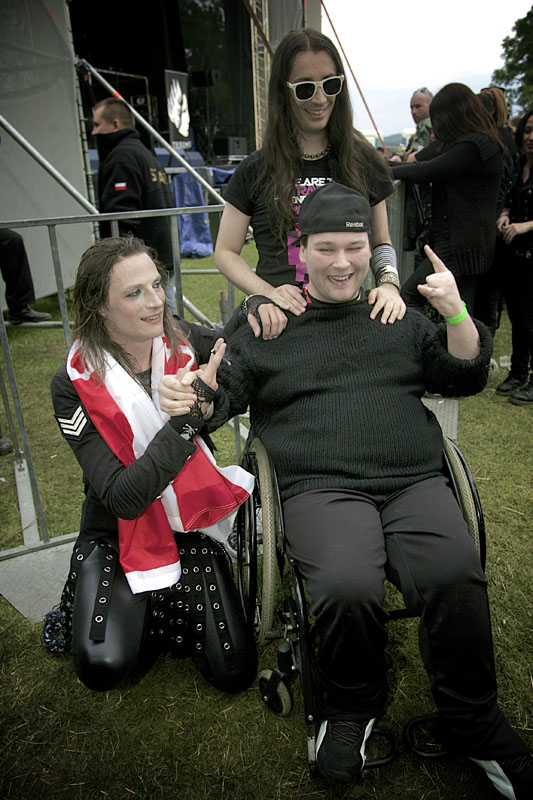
16 274
515 225
362 501
130 178
489 298
494 101
149 572
465 179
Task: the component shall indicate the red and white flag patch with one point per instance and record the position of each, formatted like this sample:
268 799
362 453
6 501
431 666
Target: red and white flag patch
120 186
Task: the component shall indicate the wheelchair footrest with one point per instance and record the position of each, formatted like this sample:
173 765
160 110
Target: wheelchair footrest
378 754
419 737
380 749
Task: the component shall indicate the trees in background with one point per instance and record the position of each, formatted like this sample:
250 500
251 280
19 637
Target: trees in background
516 76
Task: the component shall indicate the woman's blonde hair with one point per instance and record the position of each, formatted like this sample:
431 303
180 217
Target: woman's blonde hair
494 101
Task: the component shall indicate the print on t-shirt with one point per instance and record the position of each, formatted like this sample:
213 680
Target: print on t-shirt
304 186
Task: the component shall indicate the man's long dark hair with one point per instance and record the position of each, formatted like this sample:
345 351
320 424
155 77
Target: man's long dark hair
353 161
90 296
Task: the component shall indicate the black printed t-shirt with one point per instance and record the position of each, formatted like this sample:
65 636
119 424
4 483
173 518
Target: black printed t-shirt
279 263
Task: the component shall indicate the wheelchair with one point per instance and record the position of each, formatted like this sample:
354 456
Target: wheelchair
273 597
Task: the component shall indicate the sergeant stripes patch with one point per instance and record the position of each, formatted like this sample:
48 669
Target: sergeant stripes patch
73 426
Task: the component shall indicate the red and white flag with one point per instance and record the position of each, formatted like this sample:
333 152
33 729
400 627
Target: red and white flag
201 497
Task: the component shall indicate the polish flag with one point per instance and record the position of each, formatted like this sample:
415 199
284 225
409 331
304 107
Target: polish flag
202 497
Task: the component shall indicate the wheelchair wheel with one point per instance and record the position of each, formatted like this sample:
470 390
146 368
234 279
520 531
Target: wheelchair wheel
281 702
466 493
257 524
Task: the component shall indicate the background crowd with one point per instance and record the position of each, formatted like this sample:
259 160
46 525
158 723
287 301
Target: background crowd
472 167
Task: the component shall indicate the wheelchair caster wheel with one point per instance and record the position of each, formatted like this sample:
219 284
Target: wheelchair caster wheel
276 695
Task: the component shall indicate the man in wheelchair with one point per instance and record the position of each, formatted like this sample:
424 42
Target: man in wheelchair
336 400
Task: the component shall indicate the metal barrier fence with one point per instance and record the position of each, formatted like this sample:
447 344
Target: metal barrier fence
33 521
34 528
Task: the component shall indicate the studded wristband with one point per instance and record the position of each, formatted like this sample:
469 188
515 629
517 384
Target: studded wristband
383 265
388 277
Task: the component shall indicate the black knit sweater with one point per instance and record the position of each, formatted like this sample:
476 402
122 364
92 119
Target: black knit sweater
336 399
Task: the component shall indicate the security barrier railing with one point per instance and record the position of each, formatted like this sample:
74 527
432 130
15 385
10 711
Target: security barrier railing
33 522
34 528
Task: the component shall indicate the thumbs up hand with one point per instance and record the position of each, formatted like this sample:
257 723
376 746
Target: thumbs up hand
176 393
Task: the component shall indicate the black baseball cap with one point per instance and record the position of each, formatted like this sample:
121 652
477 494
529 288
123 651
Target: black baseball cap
335 208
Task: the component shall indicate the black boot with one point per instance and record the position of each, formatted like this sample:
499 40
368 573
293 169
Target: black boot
523 397
511 384
27 314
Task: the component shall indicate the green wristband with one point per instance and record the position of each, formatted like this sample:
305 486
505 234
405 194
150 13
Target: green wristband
458 317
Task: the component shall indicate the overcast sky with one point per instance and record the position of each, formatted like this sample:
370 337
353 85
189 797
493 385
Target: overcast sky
394 48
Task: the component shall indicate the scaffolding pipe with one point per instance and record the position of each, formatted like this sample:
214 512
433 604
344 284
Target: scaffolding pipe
258 26
47 166
207 186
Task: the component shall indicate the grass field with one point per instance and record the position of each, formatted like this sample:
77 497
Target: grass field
173 736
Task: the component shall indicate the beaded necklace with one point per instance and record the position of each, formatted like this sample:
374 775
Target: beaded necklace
314 156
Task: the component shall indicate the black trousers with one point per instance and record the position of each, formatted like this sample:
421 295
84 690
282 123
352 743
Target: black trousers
117 634
518 293
15 270
489 298
346 543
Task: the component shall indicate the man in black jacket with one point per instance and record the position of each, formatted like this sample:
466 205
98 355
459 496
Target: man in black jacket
130 178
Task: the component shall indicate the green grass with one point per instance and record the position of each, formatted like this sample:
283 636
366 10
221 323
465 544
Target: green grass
171 735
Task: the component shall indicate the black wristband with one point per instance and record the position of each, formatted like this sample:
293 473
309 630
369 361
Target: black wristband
251 303
187 425
204 394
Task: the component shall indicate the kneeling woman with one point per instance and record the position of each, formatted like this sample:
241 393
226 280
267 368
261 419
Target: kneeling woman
148 572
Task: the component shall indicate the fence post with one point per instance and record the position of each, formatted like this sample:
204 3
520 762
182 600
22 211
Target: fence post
176 261
60 286
23 462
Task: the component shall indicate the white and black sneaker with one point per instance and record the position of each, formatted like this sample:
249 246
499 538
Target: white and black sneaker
512 777
340 748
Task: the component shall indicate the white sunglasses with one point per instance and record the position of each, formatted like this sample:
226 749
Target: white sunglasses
306 90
